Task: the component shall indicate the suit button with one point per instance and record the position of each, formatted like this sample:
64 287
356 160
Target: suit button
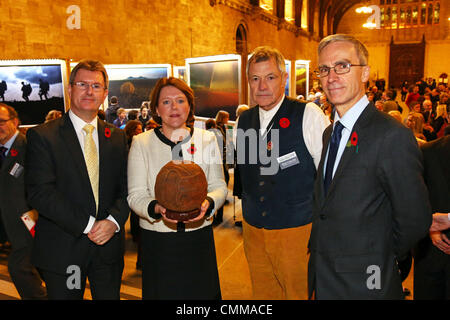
322 217
261 183
261 199
264 213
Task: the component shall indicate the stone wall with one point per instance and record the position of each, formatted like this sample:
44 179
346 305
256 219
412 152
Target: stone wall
142 31
139 31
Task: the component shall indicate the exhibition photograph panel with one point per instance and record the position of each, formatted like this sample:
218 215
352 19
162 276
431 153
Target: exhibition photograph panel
33 87
132 84
216 83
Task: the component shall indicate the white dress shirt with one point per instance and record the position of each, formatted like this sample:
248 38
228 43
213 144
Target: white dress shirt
348 121
313 125
10 142
78 125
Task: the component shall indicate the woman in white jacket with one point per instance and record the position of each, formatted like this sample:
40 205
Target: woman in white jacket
179 259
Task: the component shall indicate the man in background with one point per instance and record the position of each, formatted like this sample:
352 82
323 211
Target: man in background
13 206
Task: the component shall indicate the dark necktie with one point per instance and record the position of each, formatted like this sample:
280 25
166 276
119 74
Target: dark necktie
332 152
2 154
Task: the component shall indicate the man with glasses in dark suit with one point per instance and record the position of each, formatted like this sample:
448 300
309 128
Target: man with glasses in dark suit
370 202
76 179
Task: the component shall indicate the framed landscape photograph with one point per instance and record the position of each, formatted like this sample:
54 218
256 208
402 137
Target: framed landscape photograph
216 83
133 83
34 87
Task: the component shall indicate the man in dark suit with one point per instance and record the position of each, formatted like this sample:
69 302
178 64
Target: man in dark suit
13 205
432 254
276 195
370 202
76 179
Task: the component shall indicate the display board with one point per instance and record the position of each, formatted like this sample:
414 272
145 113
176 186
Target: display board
216 82
132 83
34 87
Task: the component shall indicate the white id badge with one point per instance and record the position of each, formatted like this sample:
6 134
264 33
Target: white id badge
16 170
288 160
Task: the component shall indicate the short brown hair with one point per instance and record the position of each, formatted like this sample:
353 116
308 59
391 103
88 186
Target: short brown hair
11 111
180 85
90 65
131 126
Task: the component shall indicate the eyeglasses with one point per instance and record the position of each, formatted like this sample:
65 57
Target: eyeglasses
84 86
339 68
4 121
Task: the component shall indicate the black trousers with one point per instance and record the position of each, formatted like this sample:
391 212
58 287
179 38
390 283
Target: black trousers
104 281
24 275
431 272
179 265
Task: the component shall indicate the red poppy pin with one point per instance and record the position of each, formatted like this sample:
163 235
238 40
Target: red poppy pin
353 142
191 149
107 132
284 123
269 145
13 152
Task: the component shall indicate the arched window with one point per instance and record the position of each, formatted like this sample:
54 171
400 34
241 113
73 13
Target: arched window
394 17
423 14
289 12
266 5
408 16
415 15
241 39
430 14
304 14
409 13
437 8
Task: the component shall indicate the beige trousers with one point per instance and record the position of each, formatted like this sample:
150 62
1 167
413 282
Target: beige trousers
278 262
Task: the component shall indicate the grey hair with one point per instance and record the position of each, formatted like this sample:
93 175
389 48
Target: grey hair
265 53
361 49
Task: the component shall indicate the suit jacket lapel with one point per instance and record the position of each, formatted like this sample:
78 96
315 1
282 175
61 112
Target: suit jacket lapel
320 170
350 152
70 138
16 147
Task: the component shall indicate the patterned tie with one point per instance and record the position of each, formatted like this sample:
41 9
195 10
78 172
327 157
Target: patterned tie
91 158
2 154
332 152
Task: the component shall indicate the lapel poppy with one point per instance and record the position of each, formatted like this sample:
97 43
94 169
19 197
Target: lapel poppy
284 123
13 152
107 132
353 141
354 138
192 149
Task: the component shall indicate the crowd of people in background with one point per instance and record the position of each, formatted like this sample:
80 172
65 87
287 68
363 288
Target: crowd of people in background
427 106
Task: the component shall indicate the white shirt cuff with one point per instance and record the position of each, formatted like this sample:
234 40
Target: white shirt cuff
92 220
110 218
89 225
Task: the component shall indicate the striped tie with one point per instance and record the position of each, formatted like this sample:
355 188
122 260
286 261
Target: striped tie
91 158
